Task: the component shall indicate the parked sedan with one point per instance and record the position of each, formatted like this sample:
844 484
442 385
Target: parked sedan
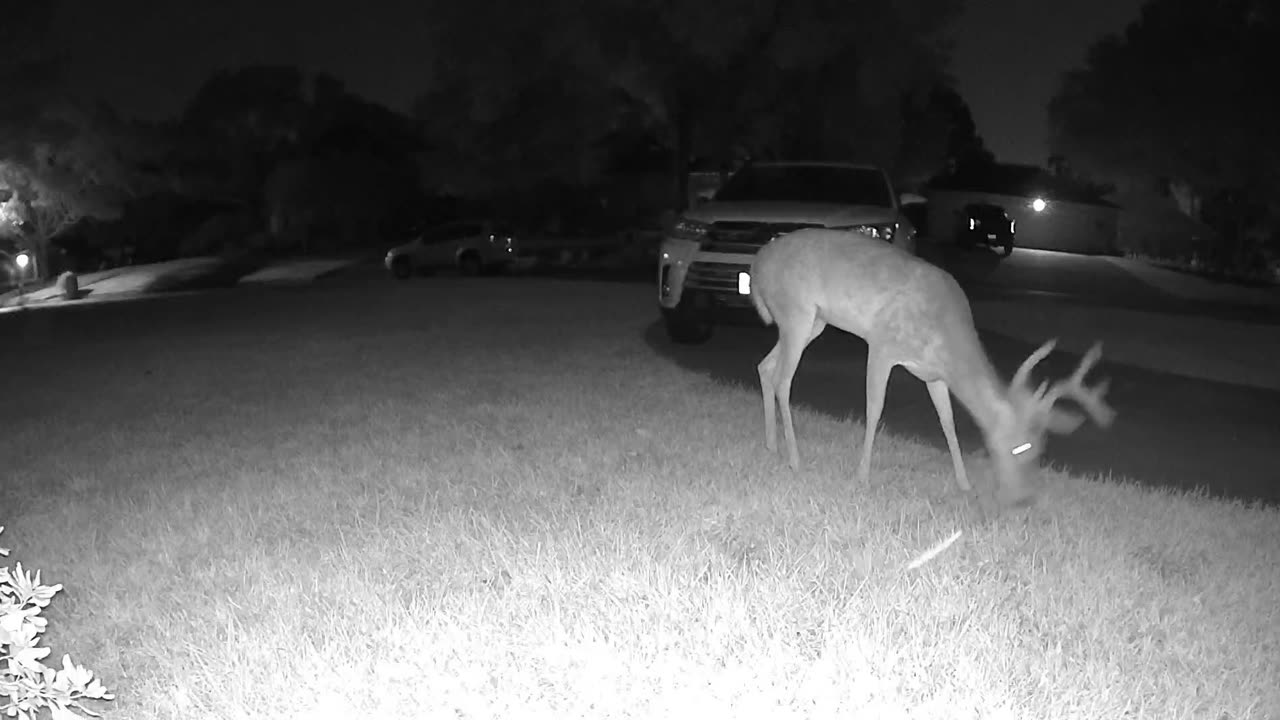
986 224
470 246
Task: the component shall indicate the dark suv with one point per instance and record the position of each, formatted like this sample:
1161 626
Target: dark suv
985 224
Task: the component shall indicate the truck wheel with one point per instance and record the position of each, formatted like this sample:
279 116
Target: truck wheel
401 268
470 264
686 328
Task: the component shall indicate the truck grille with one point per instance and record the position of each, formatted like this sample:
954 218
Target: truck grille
745 237
718 276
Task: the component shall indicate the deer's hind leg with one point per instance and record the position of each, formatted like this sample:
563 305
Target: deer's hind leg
878 368
768 390
777 371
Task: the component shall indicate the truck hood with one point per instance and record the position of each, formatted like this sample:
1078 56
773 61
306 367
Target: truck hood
825 214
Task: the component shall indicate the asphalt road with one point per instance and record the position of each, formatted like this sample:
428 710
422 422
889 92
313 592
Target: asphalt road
1052 277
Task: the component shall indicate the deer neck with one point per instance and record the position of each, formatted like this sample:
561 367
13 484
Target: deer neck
979 388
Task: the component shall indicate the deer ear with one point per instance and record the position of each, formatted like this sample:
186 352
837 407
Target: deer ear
1063 422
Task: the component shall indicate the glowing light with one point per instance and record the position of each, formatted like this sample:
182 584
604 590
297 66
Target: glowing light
22 260
744 283
1038 204
1022 448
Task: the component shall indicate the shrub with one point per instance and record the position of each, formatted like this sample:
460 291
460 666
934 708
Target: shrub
27 685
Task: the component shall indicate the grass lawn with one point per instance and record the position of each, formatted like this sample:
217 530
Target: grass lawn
494 499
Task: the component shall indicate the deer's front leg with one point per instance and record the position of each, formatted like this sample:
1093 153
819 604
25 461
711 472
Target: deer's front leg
941 397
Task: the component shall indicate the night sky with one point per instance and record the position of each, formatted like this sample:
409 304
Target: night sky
148 56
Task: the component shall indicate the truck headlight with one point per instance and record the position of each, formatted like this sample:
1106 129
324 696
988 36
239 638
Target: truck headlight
688 229
883 231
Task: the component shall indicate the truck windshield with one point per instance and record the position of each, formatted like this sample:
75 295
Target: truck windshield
807 183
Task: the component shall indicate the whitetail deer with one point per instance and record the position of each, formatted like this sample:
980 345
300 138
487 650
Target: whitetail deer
914 314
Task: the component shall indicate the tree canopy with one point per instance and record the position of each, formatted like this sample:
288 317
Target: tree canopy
78 162
29 70
1186 93
531 89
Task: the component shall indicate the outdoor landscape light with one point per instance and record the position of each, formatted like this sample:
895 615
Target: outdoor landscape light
1038 204
22 260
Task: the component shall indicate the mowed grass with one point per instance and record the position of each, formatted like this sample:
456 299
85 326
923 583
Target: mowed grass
500 499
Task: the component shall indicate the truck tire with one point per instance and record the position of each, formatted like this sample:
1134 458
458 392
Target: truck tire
686 328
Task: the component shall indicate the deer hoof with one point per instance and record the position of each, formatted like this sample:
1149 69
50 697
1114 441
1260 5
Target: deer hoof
1016 497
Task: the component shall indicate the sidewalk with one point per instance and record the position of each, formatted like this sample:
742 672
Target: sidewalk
131 279
1229 351
1221 350
1192 287
295 271
174 275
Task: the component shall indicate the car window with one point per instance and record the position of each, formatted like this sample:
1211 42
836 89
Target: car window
807 183
466 230
450 232
436 234
986 212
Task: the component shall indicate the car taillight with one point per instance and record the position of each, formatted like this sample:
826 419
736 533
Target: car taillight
880 232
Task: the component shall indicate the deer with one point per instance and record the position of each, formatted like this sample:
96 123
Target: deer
914 314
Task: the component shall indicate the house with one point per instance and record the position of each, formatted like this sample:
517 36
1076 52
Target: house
1050 212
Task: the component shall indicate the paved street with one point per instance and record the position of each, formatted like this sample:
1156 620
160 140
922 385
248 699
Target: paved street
1083 280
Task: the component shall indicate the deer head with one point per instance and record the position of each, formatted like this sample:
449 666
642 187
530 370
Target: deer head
1017 439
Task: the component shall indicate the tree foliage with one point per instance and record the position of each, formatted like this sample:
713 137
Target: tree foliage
533 87
940 138
504 106
1187 93
77 162
29 70
239 123
351 167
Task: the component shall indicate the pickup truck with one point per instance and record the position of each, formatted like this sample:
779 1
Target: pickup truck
705 258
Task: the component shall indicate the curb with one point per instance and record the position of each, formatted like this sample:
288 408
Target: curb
1191 287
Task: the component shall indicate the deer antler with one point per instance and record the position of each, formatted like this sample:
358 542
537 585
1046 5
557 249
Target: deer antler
1021 377
1091 399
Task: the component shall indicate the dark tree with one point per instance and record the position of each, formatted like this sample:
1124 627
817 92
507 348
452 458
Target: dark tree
964 146
239 124
941 137
1187 94
530 88
354 171
84 162
29 70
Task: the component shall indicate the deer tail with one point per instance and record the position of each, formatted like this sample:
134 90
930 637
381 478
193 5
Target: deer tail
758 300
